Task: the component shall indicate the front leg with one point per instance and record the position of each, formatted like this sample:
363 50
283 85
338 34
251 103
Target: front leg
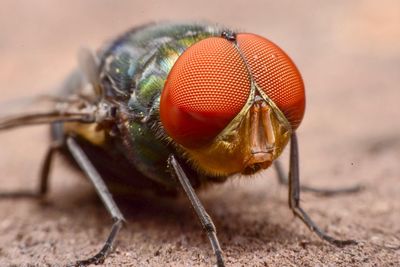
205 219
294 197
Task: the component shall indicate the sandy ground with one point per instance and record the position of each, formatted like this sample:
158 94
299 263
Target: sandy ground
349 55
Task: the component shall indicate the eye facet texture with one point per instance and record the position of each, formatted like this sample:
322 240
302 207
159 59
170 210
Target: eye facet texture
210 83
276 74
206 88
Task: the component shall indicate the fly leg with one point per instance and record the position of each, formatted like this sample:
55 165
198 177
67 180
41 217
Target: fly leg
282 178
205 219
40 193
294 197
83 161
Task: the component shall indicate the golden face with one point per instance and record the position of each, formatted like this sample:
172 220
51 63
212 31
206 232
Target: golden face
250 142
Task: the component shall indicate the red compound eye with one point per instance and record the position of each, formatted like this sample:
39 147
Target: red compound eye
276 74
206 88
209 84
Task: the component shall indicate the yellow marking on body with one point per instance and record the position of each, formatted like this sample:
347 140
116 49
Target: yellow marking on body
90 132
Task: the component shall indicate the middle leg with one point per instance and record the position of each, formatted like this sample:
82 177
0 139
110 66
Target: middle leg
83 161
294 197
283 179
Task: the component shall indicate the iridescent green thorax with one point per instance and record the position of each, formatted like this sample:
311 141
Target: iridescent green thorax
136 65
133 71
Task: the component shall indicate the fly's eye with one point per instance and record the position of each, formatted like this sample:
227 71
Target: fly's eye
275 73
206 88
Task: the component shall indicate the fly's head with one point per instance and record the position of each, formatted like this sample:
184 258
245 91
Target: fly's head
232 102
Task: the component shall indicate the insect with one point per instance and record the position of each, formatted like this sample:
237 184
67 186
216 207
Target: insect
166 107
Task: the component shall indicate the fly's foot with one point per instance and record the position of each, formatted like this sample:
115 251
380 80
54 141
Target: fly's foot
99 258
327 192
343 243
19 195
337 242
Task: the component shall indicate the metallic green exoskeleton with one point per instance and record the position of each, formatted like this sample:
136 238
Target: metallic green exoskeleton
132 71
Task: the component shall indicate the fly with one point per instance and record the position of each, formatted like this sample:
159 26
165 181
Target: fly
166 107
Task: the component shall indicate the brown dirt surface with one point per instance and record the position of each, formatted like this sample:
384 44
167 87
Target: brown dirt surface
349 55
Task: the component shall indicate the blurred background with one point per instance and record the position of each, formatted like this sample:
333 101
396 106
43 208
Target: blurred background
349 55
